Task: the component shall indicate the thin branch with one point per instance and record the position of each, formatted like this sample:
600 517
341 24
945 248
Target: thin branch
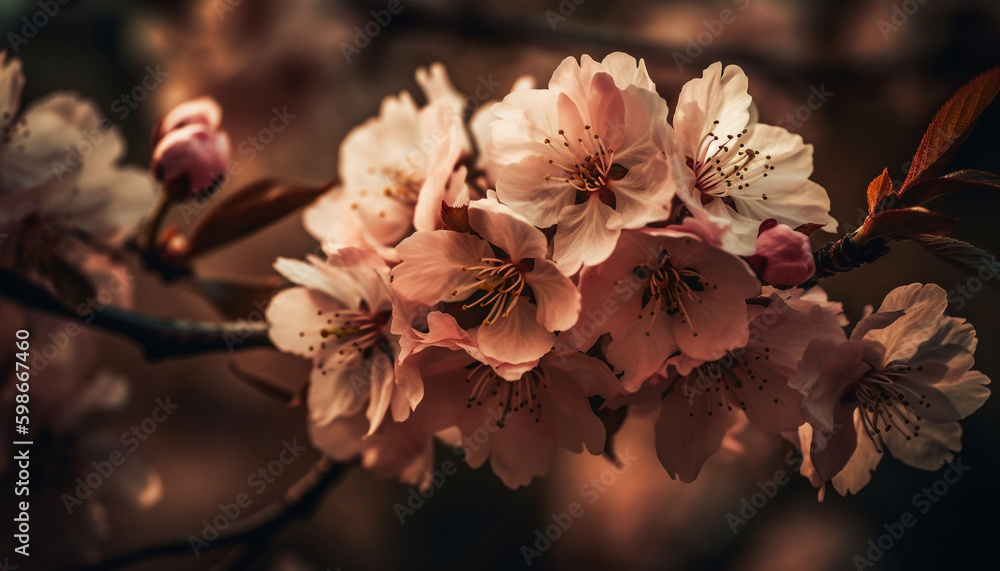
158 337
300 501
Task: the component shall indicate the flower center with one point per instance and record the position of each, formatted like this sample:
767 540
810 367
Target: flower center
731 167
674 289
518 395
886 404
501 282
586 164
402 185
352 332
723 380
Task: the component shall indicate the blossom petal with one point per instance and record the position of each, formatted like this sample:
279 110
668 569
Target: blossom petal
431 270
587 234
558 299
506 229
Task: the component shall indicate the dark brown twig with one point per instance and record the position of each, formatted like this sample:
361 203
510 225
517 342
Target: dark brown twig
159 338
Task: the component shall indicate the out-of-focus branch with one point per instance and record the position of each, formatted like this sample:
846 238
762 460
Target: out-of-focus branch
299 501
159 338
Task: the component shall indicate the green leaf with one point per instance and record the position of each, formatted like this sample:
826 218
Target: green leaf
248 210
964 256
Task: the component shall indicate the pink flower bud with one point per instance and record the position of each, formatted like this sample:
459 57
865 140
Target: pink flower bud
784 256
203 110
189 159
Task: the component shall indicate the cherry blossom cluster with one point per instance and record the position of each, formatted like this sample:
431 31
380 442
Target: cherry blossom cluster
574 249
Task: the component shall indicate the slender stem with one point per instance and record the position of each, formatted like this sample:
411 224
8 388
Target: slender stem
300 500
158 337
151 230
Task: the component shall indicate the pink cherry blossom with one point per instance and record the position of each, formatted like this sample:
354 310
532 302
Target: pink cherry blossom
700 407
665 292
495 285
587 154
516 423
395 171
59 171
741 171
900 383
339 318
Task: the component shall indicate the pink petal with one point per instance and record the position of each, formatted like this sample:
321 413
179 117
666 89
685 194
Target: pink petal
557 297
517 338
587 234
688 432
431 270
504 228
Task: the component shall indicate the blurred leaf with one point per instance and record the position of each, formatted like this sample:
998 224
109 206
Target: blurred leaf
455 218
929 189
879 189
249 209
949 128
240 300
964 256
906 222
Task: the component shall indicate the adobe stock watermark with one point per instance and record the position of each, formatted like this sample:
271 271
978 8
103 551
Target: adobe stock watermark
818 97
223 7
711 31
565 9
923 501
751 505
259 481
247 149
561 522
363 36
900 16
419 157
31 25
416 498
122 107
131 439
87 311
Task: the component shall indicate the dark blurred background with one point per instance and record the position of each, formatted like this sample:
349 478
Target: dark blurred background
887 66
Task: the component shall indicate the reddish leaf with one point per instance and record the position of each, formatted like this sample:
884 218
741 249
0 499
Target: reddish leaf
964 256
455 218
929 189
249 209
879 189
904 223
808 228
949 128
